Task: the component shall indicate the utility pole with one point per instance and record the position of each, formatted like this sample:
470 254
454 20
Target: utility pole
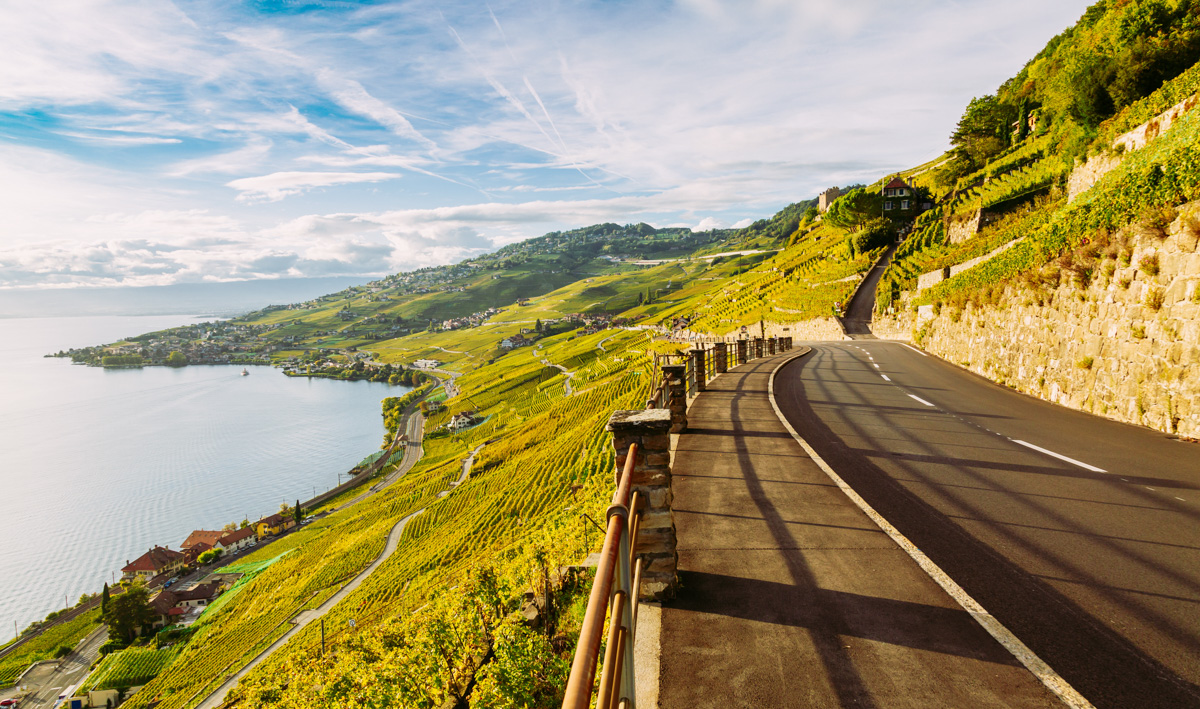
322 636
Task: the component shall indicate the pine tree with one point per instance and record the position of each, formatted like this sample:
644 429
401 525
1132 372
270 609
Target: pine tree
299 514
104 599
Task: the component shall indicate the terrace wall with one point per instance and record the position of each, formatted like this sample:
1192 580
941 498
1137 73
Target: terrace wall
1103 349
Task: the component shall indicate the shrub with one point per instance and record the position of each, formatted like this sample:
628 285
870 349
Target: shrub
1155 220
1138 331
62 651
1085 363
1148 264
1154 298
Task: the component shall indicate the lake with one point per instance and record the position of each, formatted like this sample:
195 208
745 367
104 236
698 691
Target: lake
97 466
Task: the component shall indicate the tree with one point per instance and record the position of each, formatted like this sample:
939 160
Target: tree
176 359
104 599
209 556
128 613
855 208
244 523
983 131
538 326
299 513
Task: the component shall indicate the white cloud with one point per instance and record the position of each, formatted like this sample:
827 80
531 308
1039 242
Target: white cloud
278 185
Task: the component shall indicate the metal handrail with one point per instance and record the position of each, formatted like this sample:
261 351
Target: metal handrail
619 603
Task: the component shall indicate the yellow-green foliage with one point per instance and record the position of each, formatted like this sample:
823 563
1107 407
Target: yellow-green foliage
130 667
548 460
41 648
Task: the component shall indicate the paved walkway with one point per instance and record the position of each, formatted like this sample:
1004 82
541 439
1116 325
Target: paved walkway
791 596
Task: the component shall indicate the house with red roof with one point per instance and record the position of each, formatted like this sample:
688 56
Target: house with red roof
202 536
171 605
159 560
274 524
238 539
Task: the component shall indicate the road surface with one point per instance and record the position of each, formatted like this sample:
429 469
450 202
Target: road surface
63 678
1078 533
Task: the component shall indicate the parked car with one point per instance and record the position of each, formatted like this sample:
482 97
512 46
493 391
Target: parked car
8 703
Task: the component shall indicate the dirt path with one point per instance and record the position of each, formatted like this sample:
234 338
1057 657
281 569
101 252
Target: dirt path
214 700
466 472
564 370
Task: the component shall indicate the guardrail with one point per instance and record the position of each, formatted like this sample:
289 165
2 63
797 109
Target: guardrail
620 604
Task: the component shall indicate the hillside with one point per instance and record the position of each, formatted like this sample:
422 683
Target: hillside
1048 199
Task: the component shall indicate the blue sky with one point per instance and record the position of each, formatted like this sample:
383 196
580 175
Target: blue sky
147 143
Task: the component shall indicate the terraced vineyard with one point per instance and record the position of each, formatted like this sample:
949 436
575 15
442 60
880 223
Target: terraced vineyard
130 667
43 647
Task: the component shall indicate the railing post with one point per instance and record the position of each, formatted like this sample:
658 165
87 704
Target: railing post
655 542
673 378
701 378
741 351
770 345
758 348
722 358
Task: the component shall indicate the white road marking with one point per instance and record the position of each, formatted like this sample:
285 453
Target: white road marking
1180 499
920 400
914 349
1046 674
1150 488
885 377
876 366
1060 456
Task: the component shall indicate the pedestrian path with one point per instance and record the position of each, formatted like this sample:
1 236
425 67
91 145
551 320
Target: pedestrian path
791 596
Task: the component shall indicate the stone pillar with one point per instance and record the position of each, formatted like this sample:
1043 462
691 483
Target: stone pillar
674 374
652 479
758 347
698 367
770 345
722 358
787 344
741 351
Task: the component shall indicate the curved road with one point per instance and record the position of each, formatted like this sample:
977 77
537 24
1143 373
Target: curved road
1078 533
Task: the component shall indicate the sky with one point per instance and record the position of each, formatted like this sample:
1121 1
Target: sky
151 143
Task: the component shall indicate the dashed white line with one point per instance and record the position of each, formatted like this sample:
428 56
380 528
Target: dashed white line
1060 456
885 377
1180 499
1046 674
1149 488
920 399
875 365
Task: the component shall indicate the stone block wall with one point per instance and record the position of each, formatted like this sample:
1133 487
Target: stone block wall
1126 347
652 480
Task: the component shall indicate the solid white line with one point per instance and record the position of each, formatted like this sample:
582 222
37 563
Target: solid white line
914 349
885 377
1046 674
920 400
1052 454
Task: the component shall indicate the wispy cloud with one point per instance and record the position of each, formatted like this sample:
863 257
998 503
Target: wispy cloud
277 185
129 128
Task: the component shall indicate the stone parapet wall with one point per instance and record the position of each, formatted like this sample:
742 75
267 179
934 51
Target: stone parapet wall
959 231
1110 349
815 329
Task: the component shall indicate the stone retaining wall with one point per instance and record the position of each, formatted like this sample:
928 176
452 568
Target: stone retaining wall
1111 349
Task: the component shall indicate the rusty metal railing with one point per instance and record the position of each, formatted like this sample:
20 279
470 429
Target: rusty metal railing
615 594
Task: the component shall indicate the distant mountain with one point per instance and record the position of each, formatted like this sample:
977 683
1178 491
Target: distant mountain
232 298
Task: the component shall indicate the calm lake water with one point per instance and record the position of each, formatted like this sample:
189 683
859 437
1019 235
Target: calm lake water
97 466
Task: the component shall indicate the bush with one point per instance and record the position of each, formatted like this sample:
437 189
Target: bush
1085 363
1154 298
1148 264
61 651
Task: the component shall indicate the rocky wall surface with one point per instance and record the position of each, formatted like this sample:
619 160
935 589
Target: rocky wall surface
1127 346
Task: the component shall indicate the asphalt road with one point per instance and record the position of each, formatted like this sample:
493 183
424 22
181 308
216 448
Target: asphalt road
1087 549
54 681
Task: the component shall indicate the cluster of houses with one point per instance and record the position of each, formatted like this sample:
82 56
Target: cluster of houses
472 320
160 566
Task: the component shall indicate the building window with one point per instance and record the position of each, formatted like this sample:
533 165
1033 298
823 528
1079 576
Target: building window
887 205
904 204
